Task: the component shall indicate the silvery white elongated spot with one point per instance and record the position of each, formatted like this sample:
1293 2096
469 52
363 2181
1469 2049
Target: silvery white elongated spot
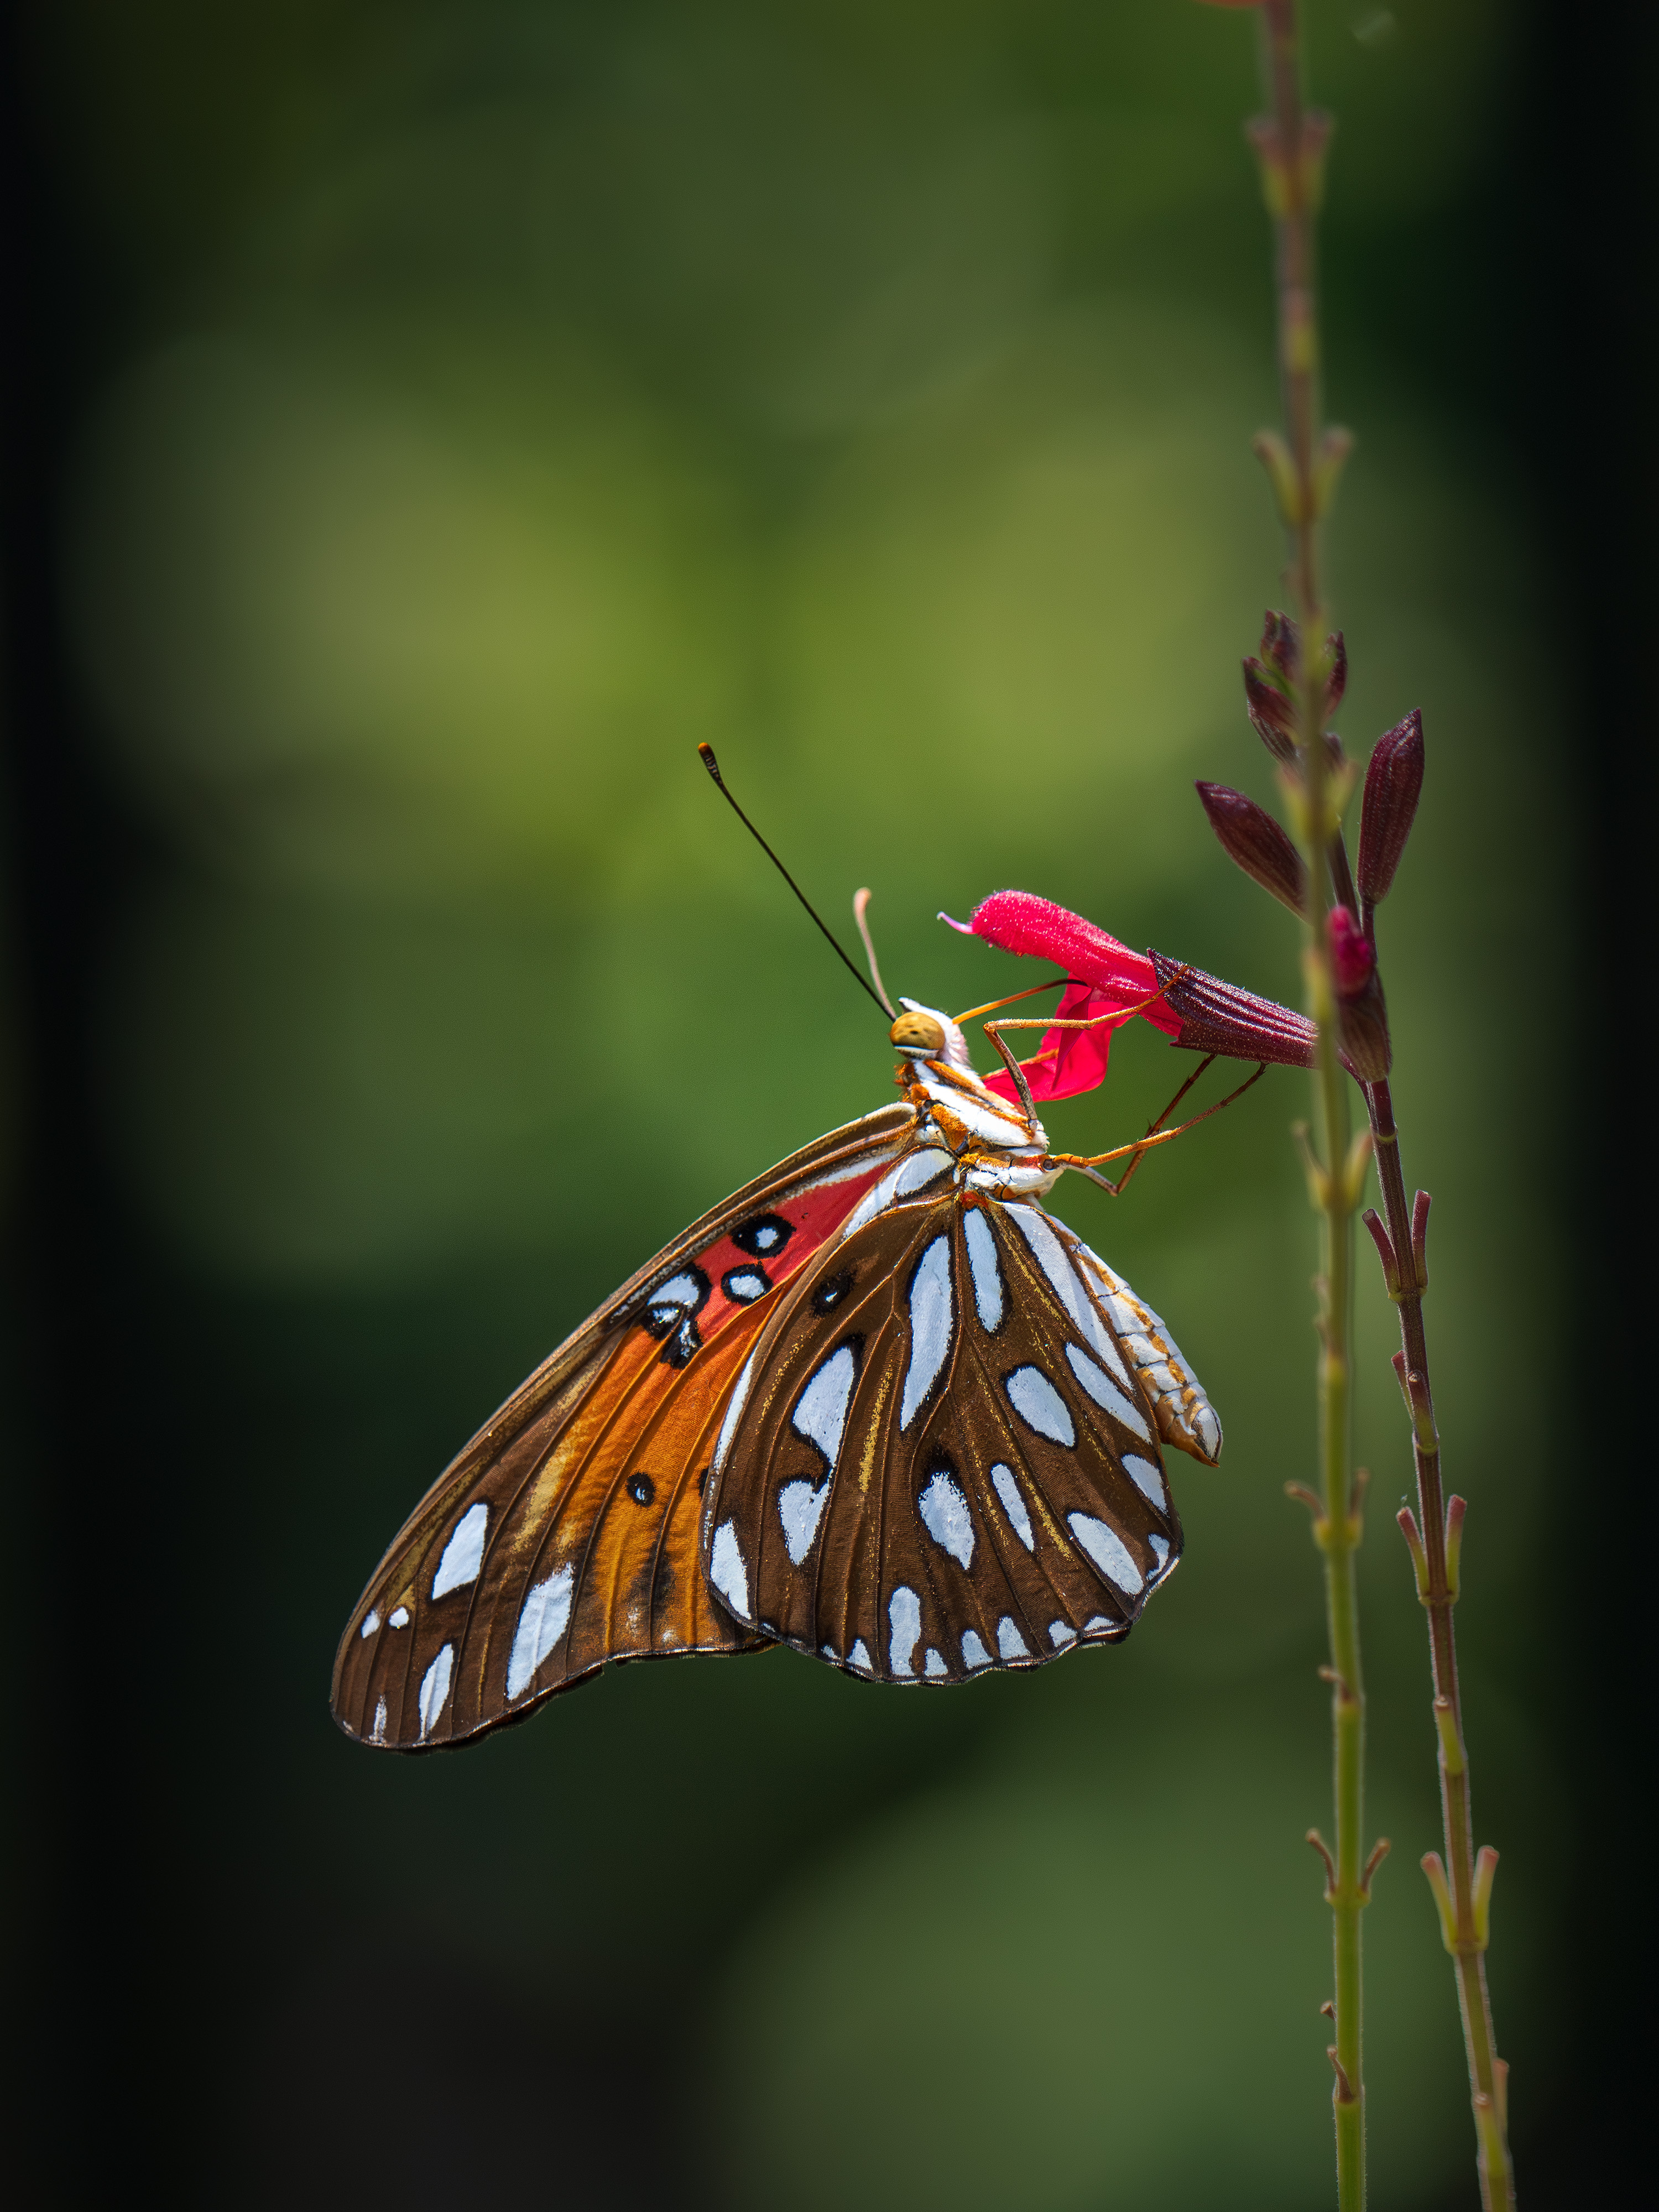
974 1652
1040 1406
984 1267
933 1664
464 1551
904 1619
543 1620
911 1174
435 1689
859 1656
1010 1642
800 1508
1146 1480
1105 1393
1060 1633
1013 1505
1108 1551
820 1413
726 1570
1051 1255
930 1317
371 1622
945 1517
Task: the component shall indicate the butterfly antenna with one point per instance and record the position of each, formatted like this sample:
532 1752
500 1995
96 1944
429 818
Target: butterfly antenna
713 769
861 913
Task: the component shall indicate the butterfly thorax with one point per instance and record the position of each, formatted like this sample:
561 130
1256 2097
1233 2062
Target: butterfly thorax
999 1148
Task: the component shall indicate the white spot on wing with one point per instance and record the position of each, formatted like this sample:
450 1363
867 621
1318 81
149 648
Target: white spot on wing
1161 1553
1010 1642
1208 1430
800 1508
1013 1505
982 1266
944 1515
913 1173
435 1689
820 1413
933 1664
543 1620
726 1570
1060 1633
974 1653
398 1620
1039 1405
463 1552
1068 1286
930 1316
1099 1621
859 1656
1108 1551
377 1734
733 1414
1105 1393
1146 1480
680 1291
372 1621
904 1620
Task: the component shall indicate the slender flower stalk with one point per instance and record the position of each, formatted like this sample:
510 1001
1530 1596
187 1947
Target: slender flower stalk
1303 462
1290 693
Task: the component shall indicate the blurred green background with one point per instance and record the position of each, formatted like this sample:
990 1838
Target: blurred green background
477 406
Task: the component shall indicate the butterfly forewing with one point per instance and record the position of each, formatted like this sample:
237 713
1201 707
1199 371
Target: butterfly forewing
942 1462
566 1534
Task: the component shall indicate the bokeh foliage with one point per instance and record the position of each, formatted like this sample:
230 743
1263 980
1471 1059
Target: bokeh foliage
504 398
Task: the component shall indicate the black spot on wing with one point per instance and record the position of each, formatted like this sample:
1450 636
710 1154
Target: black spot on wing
763 1235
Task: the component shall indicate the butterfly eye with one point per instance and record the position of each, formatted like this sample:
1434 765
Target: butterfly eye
642 1489
827 1296
919 1032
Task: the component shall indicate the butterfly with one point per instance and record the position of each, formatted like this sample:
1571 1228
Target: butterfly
880 1406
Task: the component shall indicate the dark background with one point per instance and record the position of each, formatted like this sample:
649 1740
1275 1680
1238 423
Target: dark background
423 424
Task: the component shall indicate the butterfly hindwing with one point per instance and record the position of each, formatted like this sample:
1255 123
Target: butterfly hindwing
566 1534
941 1461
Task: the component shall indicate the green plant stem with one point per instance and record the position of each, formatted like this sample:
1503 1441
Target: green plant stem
1463 1911
1290 143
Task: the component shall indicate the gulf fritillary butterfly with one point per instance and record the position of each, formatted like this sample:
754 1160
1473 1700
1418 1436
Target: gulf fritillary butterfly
880 1406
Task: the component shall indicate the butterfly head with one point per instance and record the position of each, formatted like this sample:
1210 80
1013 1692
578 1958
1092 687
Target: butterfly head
923 1033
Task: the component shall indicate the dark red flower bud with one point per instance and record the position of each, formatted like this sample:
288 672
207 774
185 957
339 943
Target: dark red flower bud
1270 686
1217 1016
1393 783
1281 643
1362 1011
1255 843
1271 708
1353 959
1336 675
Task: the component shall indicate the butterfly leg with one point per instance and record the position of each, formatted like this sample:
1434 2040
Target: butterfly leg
1156 1134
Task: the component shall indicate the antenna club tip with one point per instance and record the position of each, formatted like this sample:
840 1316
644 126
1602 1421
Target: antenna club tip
706 755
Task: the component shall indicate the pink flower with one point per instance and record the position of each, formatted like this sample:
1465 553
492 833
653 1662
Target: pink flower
1106 977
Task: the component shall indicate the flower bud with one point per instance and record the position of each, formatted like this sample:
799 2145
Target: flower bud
1253 840
1393 782
1270 686
1353 959
1362 1012
1272 710
1220 1018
